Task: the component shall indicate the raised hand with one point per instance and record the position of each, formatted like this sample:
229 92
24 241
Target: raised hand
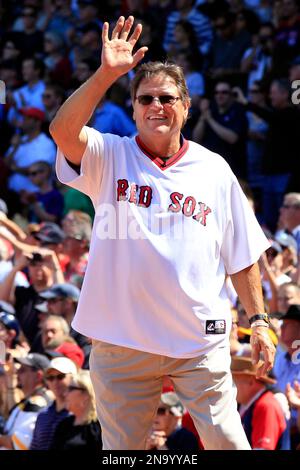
117 56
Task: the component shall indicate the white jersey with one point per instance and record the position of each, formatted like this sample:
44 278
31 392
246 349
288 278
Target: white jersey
162 239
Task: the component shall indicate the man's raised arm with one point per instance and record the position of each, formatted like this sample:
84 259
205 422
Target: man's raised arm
117 58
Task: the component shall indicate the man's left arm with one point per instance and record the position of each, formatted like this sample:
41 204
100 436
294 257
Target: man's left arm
247 284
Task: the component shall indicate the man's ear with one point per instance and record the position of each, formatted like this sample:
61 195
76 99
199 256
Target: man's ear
133 116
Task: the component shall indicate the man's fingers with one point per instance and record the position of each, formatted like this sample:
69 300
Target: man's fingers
139 55
105 32
118 28
127 27
135 35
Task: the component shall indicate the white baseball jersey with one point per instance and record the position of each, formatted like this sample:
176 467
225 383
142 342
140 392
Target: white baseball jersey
163 237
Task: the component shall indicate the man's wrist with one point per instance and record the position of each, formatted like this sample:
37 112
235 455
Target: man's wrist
259 319
258 324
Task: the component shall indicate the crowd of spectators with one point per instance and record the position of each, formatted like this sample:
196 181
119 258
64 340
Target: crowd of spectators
241 59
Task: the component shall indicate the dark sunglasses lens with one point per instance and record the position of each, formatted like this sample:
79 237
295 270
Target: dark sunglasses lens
145 99
166 99
51 378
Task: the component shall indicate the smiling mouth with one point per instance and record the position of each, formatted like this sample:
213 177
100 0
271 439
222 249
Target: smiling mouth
157 118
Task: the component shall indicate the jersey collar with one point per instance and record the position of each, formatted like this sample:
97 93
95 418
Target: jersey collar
162 164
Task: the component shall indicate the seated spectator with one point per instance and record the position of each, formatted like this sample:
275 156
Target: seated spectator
42 272
261 414
228 46
286 368
62 300
58 65
34 146
186 10
257 60
46 204
54 331
77 227
18 429
31 39
222 128
30 94
290 216
53 98
58 376
167 432
81 431
288 294
51 236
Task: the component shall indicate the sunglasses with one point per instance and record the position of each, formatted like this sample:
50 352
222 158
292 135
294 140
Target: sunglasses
46 95
36 172
169 100
51 378
74 387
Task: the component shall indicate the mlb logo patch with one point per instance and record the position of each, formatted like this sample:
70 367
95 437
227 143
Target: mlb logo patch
215 327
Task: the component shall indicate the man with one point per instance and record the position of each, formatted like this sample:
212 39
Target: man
290 216
280 174
34 146
20 424
286 367
152 298
167 432
222 128
58 376
62 301
262 416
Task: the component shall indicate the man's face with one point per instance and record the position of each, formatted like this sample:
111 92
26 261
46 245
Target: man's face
51 332
27 377
164 420
290 332
28 71
287 295
156 120
58 383
56 306
290 213
223 95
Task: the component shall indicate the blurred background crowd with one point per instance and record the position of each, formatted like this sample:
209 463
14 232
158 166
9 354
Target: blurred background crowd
241 60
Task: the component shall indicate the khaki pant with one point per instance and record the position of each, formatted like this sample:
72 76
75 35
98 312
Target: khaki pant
128 385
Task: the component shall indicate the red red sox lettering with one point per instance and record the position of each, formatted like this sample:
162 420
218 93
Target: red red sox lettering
142 196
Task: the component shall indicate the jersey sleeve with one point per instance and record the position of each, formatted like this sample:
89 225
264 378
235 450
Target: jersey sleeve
91 169
243 240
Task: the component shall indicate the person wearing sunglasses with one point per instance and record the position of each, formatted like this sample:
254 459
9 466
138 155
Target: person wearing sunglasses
167 432
170 219
81 429
47 203
58 376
